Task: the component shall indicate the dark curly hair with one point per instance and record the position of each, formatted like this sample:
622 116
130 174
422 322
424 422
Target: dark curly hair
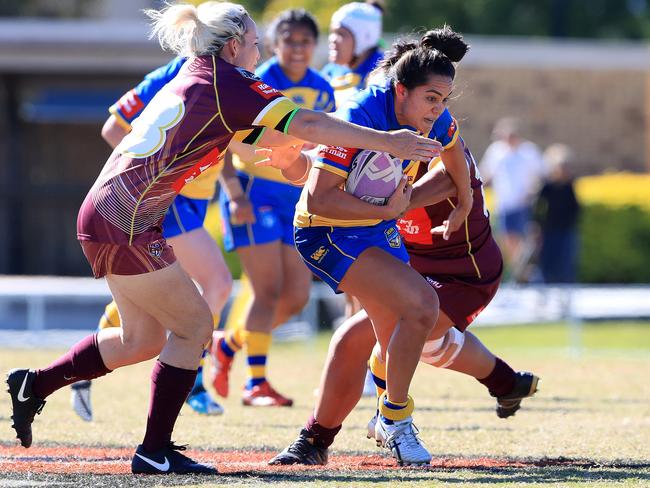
411 62
295 16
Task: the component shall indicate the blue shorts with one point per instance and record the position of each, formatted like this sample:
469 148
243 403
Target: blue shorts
184 214
274 204
330 251
515 221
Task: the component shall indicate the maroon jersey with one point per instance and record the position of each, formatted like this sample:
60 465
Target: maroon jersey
183 131
469 252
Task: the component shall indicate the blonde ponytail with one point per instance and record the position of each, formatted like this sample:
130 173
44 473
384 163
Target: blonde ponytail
196 31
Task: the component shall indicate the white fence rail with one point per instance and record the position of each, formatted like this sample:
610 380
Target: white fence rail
39 304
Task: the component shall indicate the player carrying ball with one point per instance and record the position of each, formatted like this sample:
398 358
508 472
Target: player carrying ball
464 269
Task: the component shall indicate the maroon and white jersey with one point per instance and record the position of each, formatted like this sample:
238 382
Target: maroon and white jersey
183 131
469 252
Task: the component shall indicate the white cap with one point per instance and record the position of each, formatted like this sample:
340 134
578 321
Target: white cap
363 21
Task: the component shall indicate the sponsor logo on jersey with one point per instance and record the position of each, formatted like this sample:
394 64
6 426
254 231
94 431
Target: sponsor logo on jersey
341 155
210 159
452 129
407 226
130 104
267 91
247 74
156 249
433 283
472 317
393 237
319 254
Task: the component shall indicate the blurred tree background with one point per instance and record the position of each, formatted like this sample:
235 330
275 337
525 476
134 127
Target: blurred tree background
613 19
622 19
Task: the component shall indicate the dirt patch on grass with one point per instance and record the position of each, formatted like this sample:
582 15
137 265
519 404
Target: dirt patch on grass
106 460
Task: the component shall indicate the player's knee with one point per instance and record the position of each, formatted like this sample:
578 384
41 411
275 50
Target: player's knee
217 294
347 343
202 332
422 310
153 346
442 352
267 296
294 300
142 346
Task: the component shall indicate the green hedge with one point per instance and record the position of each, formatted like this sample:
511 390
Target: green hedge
615 244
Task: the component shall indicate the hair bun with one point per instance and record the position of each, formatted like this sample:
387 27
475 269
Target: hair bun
445 40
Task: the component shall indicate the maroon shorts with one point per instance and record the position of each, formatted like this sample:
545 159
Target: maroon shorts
465 285
105 258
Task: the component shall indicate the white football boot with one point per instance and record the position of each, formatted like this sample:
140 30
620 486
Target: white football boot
402 439
371 430
80 400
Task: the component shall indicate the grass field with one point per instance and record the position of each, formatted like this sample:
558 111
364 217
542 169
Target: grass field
589 424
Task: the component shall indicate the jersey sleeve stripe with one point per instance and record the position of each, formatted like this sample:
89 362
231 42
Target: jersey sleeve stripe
249 136
274 112
121 121
284 124
332 167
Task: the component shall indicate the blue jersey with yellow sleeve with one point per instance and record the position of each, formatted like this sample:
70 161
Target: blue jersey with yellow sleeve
312 92
347 81
133 102
374 107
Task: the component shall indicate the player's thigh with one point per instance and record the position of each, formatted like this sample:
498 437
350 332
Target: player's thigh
389 289
201 258
296 277
263 265
170 296
138 327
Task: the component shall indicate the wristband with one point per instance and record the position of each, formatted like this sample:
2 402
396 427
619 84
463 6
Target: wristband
301 181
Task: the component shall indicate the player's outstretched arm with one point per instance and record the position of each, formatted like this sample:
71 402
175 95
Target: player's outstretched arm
326 129
456 166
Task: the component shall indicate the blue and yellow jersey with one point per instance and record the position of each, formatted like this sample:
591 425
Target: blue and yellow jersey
374 108
312 92
346 81
133 102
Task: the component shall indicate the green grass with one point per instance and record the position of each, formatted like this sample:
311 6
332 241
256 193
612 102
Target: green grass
593 404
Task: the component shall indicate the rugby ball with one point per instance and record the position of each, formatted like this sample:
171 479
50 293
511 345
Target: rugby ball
374 176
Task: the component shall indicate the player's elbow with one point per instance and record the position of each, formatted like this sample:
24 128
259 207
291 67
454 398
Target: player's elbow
112 132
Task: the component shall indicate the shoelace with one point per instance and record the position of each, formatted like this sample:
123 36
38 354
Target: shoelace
39 409
300 445
177 447
408 434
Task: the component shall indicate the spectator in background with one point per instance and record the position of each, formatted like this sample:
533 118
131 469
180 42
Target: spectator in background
353 44
513 166
558 210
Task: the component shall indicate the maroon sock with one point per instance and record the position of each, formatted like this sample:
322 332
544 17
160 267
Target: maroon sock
501 380
81 362
323 437
169 389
